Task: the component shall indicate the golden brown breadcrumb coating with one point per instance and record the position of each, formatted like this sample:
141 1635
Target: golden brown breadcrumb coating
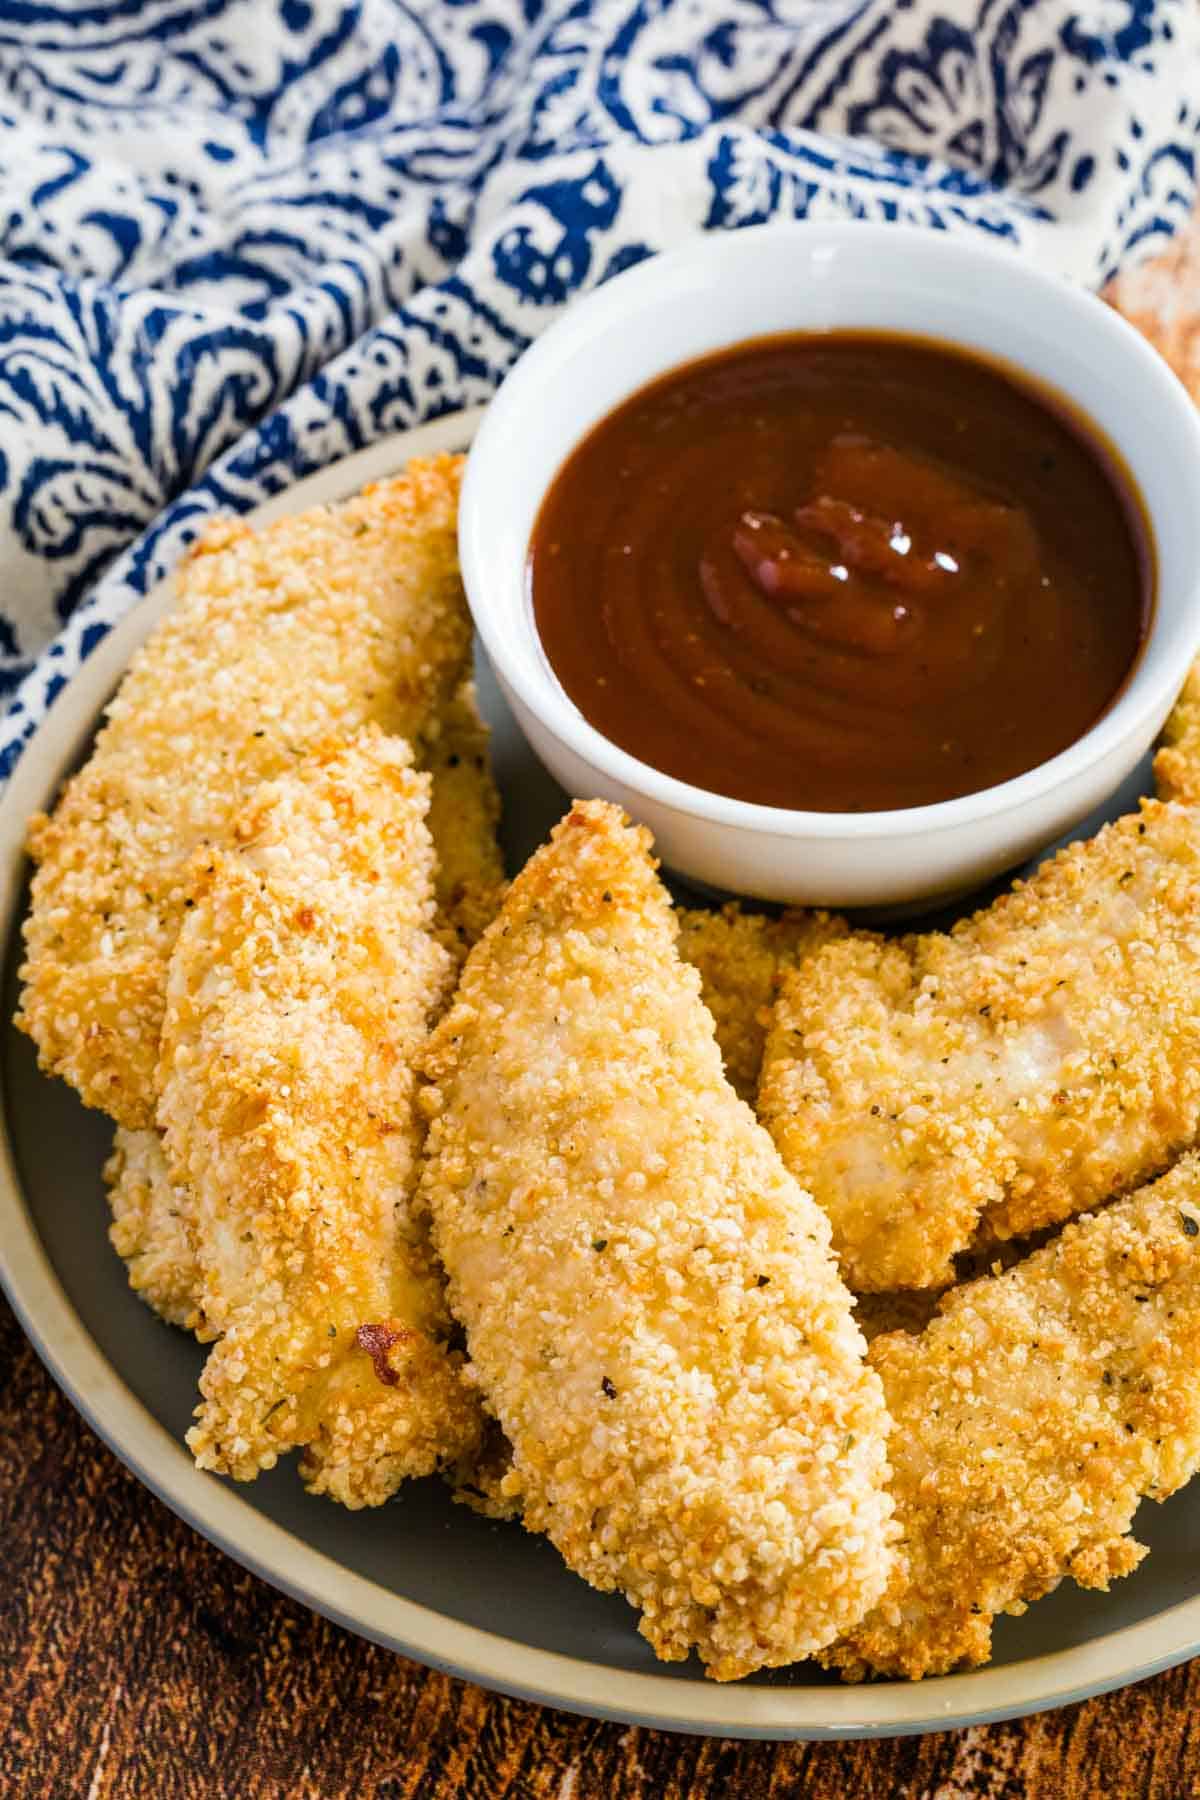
1029 1418
651 1307
309 626
910 1309
1177 765
740 956
464 813
298 996
149 1230
1041 1056
149 1212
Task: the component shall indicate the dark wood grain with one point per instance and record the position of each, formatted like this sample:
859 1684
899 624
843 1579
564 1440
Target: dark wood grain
138 1663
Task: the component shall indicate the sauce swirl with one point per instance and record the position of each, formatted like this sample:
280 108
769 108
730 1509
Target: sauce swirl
843 572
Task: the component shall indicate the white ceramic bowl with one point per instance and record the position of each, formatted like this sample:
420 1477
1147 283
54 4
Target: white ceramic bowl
720 290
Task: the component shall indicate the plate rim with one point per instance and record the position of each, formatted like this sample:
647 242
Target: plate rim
688 1704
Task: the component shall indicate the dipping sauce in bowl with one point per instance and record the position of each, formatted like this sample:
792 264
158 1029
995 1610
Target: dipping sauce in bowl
842 572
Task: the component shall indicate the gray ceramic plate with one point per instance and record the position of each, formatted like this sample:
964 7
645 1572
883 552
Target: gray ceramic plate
427 1577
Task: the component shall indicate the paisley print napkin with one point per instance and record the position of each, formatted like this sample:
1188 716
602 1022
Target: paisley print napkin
241 238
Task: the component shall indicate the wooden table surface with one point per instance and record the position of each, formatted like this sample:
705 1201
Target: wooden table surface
138 1663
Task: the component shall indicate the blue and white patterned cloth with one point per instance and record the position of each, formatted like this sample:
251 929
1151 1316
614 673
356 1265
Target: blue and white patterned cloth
371 206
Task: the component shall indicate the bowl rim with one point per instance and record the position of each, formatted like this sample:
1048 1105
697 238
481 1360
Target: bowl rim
674 1702
530 679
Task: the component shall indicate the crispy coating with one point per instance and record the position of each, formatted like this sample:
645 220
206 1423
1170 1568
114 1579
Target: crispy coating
740 956
910 1309
149 1211
149 1230
1041 1056
298 997
651 1307
464 812
312 625
1029 1419
1177 765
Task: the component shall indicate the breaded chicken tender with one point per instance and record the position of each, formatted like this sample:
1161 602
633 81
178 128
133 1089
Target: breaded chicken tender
740 956
651 1307
299 993
464 812
1042 1056
149 1212
1029 1418
910 1309
150 1230
313 625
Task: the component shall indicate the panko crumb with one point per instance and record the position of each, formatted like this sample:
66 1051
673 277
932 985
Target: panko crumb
1177 764
651 1306
1029 1418
299 994
149 1230
312 625
740 956
910 1309
464 816
1037 1059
